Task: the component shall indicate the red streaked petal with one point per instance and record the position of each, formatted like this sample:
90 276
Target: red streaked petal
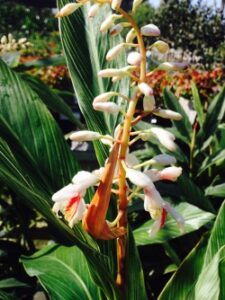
72 207
163 217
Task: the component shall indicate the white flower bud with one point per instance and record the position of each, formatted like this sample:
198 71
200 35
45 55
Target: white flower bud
111 72
109 22
116 78
150 30
68 9
172 66
149 103
85 135
161 46
136 3
170 173
134 58
115 30
112 53
163 159
116 72
168 114
153 174
145 89
104 97
10 37
22 41
85 179
131 36
93 10
108 107
3 40
165 138
116 4
138 178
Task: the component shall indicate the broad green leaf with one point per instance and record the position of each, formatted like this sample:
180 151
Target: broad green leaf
135 285
85 49
217 190
194 219
183 126
222 278
192 194
51 99
197 104
36 129
213 118
208 284
11 283
217 237
181 284
63 272
211 160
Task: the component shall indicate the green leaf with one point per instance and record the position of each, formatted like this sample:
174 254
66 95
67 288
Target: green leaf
197 104
63 272
6 296
34 127
191 193
194 219
211 160
135 285
11 283
217 237
183 126
217 190
213 118
208 284
181 284
85 49
51 99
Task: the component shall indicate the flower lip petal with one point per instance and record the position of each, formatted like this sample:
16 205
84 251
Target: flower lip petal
65 193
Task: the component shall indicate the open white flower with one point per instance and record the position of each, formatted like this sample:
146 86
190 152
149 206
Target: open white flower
70 199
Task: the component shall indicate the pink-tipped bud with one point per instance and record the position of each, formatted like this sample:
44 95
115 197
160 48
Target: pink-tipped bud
115 30
93 10
163 159
165 138
131 36
68 9
153 174
134 58
108 107
109 22
145 89
116 78
150 30
136 3
173 66
138 178
116 4
168 114
85 135
149 103
104 97
161 46
170 173
114 52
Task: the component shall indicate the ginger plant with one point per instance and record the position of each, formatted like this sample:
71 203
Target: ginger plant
123 175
